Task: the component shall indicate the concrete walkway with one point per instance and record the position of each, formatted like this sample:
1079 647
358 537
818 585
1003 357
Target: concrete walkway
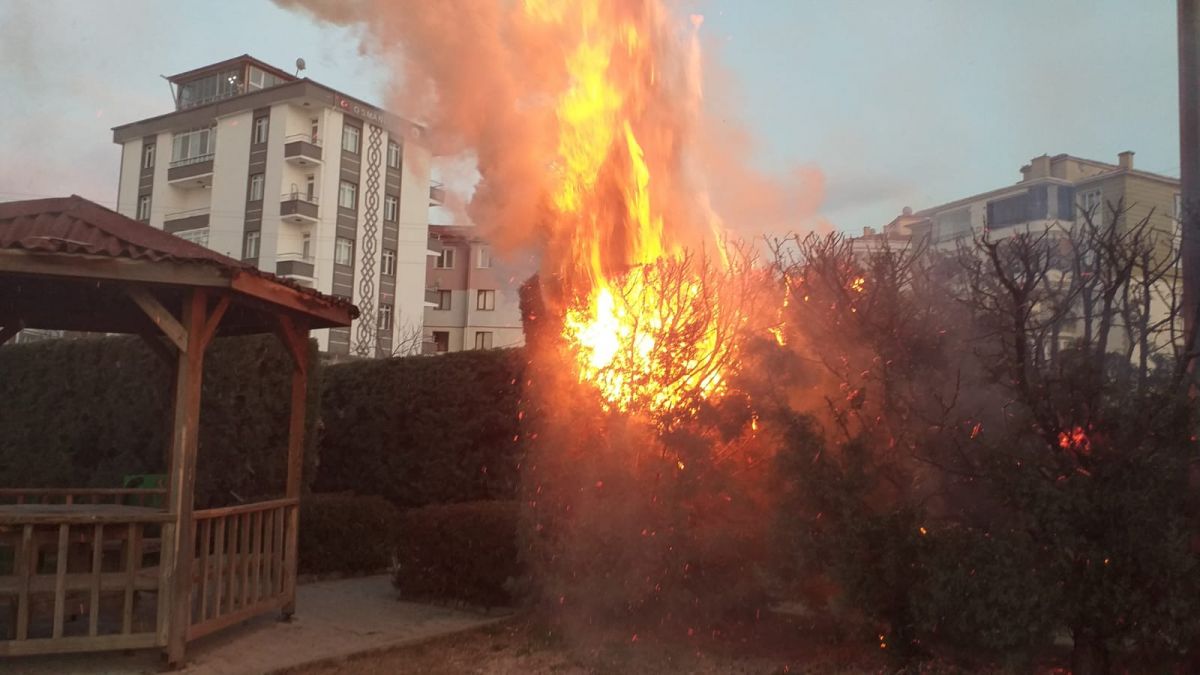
334 619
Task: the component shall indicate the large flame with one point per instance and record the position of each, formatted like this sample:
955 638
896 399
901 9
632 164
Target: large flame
642 320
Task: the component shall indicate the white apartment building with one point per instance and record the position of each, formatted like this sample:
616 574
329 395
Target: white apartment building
300 179
475 302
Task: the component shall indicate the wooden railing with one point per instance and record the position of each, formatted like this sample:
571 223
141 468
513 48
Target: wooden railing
245 556
56 568
127 496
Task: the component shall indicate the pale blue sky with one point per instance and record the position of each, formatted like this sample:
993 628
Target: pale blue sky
898 102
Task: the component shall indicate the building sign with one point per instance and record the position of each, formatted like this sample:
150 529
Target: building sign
358 110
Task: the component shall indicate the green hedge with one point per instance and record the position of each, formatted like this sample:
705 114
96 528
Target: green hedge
465 552
423 429
87 412
347 534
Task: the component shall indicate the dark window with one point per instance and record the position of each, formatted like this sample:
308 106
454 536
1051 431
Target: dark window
1038 202
441 341
1008 211
1066 202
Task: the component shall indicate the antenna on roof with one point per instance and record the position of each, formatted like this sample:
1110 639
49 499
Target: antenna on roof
299 66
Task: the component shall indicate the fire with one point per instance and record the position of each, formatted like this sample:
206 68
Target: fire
1076 441
643 319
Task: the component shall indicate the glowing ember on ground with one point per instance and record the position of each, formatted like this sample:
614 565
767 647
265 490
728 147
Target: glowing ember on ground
642 321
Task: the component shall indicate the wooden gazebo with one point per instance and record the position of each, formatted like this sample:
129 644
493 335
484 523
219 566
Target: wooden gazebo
101 569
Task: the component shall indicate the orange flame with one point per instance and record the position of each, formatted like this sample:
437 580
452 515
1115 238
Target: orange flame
1076 441
627 305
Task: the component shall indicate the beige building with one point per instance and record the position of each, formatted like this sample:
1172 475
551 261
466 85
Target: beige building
474 301
1052 192
1052 195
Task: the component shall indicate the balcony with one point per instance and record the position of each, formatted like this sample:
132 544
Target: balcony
298 207
431 297
296 266
193 172
302 150
191 219
433 247
437 194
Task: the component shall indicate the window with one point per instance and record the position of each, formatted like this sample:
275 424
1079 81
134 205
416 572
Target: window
445 260
193 146
393 158
209 88
343 251
350 138
260 129
391 209
485 301
1092 202
260 79
385 317
148 156
483 339
1178 207
310 187
257 181
316 124
441 341
347 195
443 302
306 246
196 236
388 266
143 210
483 258
250 247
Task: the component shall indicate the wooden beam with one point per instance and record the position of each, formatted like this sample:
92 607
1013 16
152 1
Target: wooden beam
8 332
322 312
103 267
214 320
156 345
181 476
296 338
166 322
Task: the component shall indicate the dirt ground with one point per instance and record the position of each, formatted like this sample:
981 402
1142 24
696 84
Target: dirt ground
521 646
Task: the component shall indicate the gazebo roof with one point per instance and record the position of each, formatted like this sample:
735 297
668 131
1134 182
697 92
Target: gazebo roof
66 263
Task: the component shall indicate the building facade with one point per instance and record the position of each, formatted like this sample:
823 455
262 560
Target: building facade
1052 193
474 301
301 180
1052 197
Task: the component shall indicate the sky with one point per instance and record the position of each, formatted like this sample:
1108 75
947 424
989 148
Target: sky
898 102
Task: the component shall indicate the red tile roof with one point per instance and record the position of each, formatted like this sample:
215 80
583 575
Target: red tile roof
75 225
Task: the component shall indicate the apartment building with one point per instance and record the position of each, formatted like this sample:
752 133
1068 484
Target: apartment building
474 302
1052 194
300 179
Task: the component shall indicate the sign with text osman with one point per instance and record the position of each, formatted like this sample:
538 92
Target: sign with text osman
358 110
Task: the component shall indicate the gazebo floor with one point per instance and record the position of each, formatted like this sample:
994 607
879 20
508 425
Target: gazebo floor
334 620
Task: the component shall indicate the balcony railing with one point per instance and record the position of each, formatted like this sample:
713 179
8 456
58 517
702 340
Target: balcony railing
191 219
188 161
295 265
299 207
189 213
301 149
305 138
437 194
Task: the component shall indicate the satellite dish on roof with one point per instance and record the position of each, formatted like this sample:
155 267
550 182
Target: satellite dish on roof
299 65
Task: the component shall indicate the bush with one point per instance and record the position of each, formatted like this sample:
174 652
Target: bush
463 552
423 430
87 412
346 534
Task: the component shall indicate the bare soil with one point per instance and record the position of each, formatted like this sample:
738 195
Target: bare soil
523 645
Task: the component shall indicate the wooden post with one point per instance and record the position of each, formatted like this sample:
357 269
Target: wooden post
181 476
295 338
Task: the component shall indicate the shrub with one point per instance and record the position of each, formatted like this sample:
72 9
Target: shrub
463 552
423 430
345 533
86 412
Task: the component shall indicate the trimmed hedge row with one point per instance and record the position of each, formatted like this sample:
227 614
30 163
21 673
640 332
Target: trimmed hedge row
464 552
87 412
346 534
423 430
